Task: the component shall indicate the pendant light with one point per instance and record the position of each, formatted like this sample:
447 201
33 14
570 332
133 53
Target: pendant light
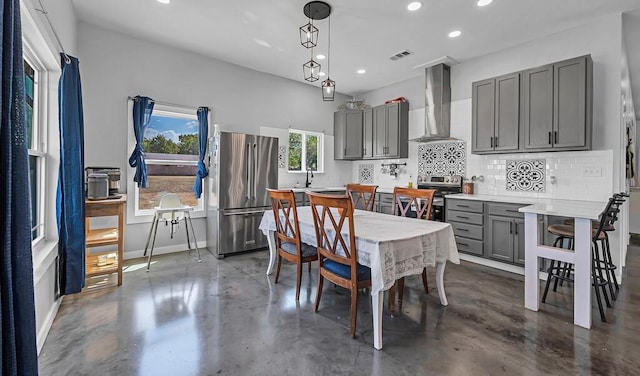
311 69
328 85
309 35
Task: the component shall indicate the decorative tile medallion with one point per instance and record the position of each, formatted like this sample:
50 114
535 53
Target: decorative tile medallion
282 156
526 175
442 158
365 174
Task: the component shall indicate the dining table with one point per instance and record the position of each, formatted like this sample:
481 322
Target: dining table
392 246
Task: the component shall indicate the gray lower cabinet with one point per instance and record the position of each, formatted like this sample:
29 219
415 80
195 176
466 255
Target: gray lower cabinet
347 128
518 243
384 203
467 219
504 223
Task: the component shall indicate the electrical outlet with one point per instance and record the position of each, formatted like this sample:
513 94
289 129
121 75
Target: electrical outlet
592 172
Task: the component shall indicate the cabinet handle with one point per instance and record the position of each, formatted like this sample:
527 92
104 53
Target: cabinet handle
510 227
459 216
491 140
463 244
463 206
463 229
549 137
496 141
516 228
555 135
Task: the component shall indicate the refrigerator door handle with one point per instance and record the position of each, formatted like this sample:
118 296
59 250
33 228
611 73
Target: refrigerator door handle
247 164
255 169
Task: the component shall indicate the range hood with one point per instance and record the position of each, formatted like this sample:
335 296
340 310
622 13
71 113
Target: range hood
437 110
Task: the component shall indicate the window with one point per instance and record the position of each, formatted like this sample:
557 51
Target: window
35 143
170 146
305 151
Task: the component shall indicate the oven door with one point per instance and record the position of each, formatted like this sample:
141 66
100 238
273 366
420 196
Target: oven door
438 209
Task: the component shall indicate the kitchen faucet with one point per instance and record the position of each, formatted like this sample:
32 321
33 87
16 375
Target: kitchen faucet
307 183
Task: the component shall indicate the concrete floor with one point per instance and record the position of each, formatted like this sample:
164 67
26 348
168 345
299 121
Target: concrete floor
227 317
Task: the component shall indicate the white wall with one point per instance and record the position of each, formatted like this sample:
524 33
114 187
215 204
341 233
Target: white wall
40 40
115 66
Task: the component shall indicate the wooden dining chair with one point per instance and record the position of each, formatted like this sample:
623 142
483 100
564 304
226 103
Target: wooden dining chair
415 203
337 256
288 242
362 196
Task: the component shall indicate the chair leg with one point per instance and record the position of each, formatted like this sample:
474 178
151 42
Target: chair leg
598 298
319 291
354 310
549 276
278 268
153 243
600 281
193 234
400 283
298 279
392 299
309 267
612 265
153 225
425 282
608 271
186 229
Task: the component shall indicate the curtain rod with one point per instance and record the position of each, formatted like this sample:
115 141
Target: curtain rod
46 16
171 104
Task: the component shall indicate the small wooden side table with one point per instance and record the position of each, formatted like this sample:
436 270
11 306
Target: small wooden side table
104 236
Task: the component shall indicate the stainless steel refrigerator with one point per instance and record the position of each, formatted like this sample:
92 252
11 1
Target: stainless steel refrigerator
241 168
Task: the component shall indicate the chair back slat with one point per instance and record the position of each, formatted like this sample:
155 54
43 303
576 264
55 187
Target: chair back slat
406 198
331 214
362 196
283 203
610 214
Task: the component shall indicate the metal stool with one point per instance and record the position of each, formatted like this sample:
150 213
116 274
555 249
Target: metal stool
170 204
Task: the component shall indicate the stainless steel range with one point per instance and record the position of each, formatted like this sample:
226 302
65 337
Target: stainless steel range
444 185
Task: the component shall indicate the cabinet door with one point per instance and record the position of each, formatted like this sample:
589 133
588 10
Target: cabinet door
379 131
538 107
367 133
338 135
569 93
500 238
353 135
393 130
518 241
483 115
507 113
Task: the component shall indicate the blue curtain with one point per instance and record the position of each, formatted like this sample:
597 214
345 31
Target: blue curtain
203 135
17 310
70 195
142 109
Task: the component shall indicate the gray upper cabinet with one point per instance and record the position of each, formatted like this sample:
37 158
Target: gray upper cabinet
496 114
391 130
367 133
547 108
347 128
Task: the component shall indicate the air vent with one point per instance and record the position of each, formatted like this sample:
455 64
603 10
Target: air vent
400 55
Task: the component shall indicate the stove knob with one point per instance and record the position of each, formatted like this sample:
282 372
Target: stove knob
455 180
446 179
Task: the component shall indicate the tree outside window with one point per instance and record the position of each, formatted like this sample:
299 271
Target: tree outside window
305 151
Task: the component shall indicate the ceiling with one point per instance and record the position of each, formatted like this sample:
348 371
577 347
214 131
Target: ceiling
263 35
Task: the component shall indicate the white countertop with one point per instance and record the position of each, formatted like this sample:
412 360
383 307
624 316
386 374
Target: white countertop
315 189
545 206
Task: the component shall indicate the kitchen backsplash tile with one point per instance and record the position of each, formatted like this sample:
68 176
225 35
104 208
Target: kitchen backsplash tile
365 173
526 175
442 158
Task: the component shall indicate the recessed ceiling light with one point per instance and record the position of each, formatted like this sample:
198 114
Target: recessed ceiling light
320 57
164 1
322 74
482 3
414 5
455 34
361 71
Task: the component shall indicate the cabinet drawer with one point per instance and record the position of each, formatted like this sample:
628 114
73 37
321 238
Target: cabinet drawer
465 205
385 198
300 198
466 230
505 210
473 247
464 217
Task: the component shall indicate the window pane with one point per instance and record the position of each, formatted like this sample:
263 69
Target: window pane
33 187
312 152
164 179
295 151
29 91
170 135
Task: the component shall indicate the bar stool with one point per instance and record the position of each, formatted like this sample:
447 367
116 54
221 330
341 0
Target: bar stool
599 263
168 211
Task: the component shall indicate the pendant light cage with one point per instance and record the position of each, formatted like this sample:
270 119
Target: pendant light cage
309 35
311 69
328 89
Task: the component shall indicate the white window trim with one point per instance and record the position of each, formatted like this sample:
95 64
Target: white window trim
146 216
320 136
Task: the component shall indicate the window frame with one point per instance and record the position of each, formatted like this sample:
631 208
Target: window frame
134 214
303 159
38 147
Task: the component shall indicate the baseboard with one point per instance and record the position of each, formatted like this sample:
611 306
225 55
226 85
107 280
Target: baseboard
164 250
48 322
492 264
